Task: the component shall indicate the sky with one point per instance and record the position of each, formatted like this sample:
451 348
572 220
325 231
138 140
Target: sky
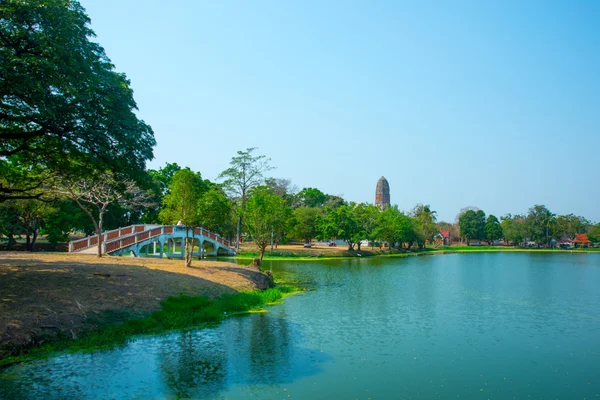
492 104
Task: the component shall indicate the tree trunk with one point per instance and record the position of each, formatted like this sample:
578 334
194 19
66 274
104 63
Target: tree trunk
33 239
350 246
187 252
358 246
11 242
99 232
262 247
239 228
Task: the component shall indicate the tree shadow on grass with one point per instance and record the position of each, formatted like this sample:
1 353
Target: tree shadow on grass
40 300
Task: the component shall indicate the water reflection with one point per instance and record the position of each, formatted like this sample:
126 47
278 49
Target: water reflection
476 325
189 361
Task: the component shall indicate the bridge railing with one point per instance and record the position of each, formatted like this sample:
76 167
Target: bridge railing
90 241
114 245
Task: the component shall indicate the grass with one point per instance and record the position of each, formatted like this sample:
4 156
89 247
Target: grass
117 328
304 255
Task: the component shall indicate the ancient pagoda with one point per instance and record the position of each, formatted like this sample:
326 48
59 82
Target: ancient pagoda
382 193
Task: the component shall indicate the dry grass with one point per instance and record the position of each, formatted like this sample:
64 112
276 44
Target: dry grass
49 294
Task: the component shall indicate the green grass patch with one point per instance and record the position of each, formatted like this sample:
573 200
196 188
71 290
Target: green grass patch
117 328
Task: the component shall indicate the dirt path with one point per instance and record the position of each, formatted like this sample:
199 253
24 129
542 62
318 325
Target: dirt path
44 294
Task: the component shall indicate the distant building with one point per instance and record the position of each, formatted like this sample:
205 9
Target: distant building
445 237
382 193
581 240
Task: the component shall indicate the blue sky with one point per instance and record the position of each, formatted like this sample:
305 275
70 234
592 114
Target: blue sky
494 104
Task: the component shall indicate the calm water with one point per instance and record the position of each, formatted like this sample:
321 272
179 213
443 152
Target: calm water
472 326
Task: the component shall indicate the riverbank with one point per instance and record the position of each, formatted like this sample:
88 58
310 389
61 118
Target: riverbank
45 296
300 253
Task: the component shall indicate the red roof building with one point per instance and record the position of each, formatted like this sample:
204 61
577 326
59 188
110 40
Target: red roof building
581 240
445 237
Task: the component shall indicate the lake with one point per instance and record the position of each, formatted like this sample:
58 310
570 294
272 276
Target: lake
468 326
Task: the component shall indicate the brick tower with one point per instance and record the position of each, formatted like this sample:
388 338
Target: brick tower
382 193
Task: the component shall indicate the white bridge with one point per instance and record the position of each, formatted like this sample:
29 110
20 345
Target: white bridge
154 241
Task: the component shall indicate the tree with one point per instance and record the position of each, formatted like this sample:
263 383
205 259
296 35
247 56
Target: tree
245 172
95 195
306 225
341 223
594 234
472 225
570 225
334 201
396 227
310 197
180 206
493 230
215 212
62 105
424 224
160 179
514 228
31 213
265 214
283 188
9 222
368 217
540 222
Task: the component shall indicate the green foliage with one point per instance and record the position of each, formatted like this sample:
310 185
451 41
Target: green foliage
424 224
180 205
160 180
245 172
540 224
63 106
472 224
181 201
310 197
493 230
368 217
341 223
396 227
266 216
570 225
514 229
215 212
334 201
181 312
594 234
306 225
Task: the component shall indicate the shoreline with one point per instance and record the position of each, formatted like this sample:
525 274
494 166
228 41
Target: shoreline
49 297
305 255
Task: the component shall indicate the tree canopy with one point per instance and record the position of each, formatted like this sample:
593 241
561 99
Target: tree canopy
472 224
62 104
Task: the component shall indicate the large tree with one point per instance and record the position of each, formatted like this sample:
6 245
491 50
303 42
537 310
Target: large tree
570 225
180 206
306 223
493 230
215 212
594 234
310 197
472 225
342 223
396 227
265 214
62 105
540 224
94 195
368 216
514 228
246 171
424 224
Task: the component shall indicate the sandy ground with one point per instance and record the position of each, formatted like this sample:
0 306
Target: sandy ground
42 294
